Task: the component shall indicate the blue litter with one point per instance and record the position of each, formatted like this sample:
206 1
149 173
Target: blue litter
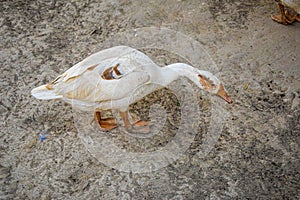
43 135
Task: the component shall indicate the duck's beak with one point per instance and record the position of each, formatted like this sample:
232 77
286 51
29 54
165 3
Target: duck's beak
223 94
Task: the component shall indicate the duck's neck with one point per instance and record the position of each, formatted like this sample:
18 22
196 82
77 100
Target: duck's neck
172 72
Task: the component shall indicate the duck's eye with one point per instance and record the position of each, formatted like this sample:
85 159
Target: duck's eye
207 83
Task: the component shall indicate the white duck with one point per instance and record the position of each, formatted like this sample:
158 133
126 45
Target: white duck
286 17
110 78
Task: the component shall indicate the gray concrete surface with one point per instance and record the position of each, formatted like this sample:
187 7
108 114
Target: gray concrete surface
255 157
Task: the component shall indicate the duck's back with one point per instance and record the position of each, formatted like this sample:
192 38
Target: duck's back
96 75
103 56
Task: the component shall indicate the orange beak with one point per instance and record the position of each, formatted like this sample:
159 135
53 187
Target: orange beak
223 94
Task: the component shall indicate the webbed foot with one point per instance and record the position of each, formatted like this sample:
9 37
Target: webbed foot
106 124
282 18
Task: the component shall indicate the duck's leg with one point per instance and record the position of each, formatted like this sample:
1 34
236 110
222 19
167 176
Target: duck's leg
138 127
298 17
282 17
106 124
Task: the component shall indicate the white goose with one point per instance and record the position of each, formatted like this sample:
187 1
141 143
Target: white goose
110 78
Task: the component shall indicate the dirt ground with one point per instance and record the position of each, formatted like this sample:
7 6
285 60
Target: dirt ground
255 157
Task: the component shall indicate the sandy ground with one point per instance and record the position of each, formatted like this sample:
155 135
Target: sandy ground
256 155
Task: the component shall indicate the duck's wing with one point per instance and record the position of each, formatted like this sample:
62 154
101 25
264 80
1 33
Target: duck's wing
109 74
97 58
126 85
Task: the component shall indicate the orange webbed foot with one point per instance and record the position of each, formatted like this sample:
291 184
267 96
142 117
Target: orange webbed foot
106 124
282 18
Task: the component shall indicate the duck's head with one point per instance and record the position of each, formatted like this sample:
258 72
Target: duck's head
203 79
212 84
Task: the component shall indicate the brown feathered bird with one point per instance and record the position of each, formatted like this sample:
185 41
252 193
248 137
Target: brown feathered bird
289 11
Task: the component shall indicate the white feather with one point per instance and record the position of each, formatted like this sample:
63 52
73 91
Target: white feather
42 92
87 88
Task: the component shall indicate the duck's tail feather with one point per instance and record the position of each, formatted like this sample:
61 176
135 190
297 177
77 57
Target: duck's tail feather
44 92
